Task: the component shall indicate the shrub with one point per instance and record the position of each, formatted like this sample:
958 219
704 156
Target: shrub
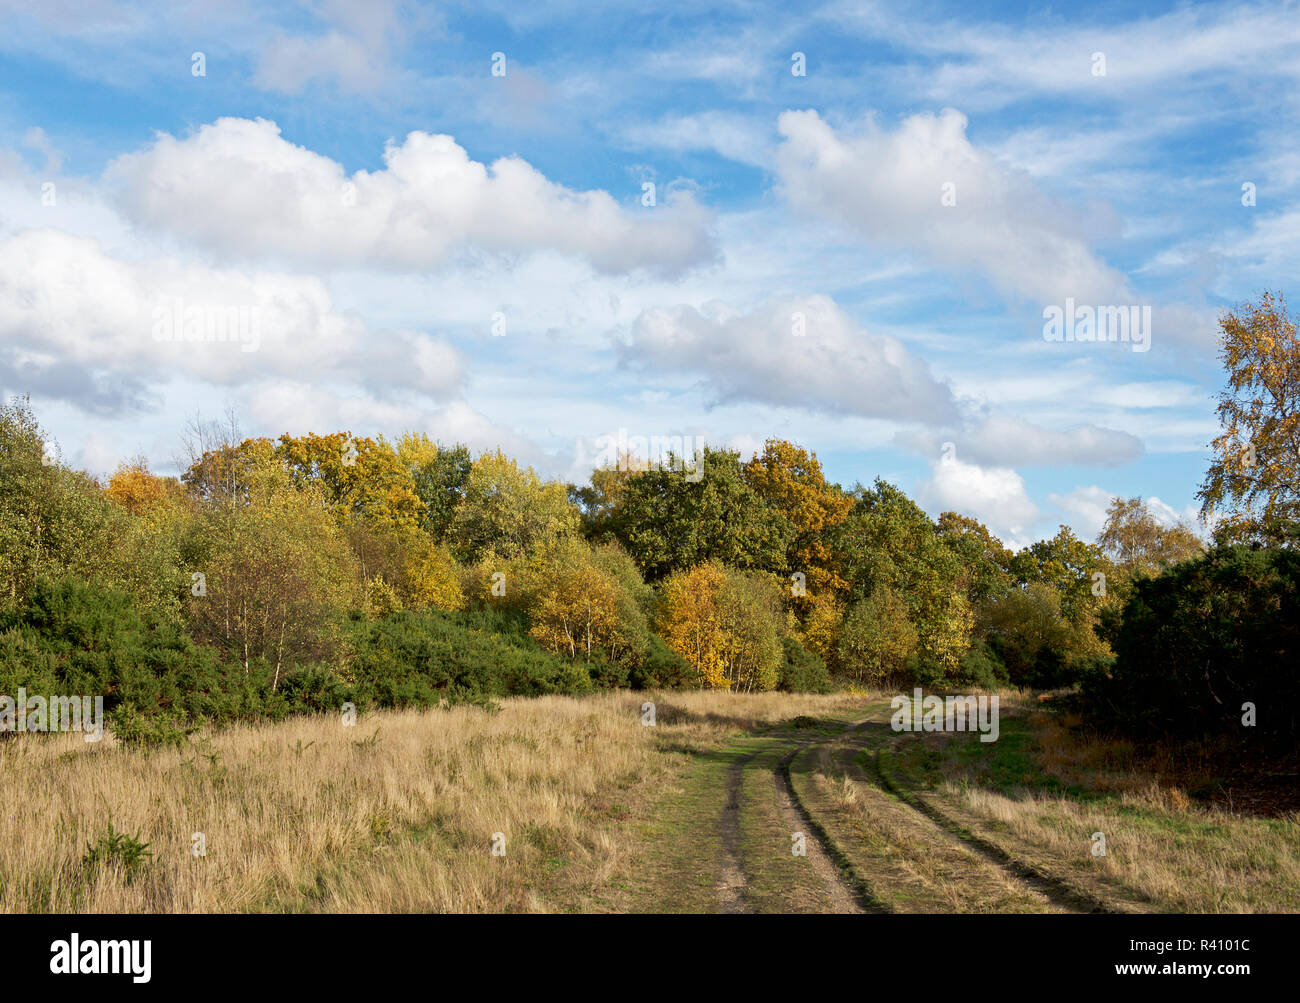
116 849
1201 640
982 668
663 668
421 659
802 671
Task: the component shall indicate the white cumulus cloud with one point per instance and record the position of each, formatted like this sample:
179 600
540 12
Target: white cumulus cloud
239 188
888 187
832 367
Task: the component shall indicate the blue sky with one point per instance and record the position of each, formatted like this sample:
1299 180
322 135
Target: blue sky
356 177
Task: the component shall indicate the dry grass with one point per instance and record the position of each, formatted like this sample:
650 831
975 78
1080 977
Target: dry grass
395 814
1164 850
911 864
1179 857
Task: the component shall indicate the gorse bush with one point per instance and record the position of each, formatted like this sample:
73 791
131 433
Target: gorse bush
1201 640
113 849
802 671
412 659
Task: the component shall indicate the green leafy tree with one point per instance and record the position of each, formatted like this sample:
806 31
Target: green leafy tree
876 639
53 521
888 541
439 474
1068 565
983 557
668 521
278 575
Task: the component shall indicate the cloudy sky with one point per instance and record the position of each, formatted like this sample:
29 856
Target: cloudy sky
532 225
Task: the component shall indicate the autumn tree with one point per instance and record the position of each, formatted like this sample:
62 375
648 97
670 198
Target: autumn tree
358 477
580 608
1253 482
725 623
1135 539
135 489
147 555
277 575
790 479
431 578
421 572
508 509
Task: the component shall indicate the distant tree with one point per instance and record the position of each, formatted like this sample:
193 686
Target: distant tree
983 558
1029 634
278 575
358 477
134 488
791 481
1068 565
1137 540
509 510
876 638
53 521
439 474
1253 482
601 502
887 540
668 522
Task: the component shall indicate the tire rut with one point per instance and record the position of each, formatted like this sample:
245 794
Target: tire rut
731 883
849 892
1055 889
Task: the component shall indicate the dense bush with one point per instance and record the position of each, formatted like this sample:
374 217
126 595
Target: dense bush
1202 639
1038 645
662 668
73 638
419 659
802 671
982 668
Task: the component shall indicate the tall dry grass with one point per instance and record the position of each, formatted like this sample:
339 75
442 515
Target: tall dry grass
395 814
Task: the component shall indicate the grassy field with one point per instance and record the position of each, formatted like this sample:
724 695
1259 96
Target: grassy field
731 803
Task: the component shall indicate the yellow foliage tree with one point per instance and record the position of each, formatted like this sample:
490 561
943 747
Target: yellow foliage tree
574 608
725 624
1253 483
791 479
433 578
690 622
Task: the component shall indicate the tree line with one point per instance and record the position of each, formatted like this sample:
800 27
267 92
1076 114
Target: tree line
278 575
